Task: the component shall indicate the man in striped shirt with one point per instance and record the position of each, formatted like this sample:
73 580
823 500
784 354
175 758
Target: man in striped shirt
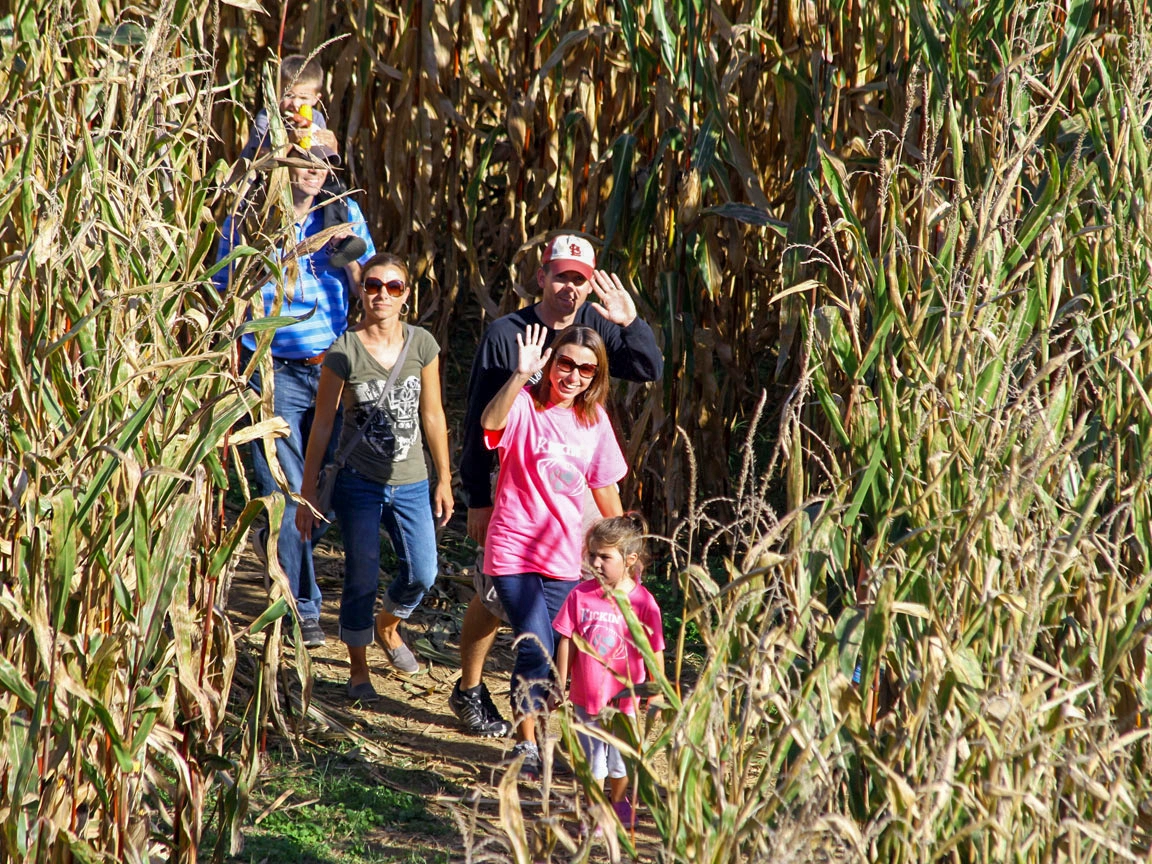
319 295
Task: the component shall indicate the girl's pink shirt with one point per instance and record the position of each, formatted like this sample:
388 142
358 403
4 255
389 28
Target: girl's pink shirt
547 460
615 662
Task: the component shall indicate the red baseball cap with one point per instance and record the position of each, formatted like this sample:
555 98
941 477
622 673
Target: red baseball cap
573 252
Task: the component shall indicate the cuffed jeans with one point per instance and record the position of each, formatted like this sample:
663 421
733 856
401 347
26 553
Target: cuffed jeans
294 399
532 602
361 505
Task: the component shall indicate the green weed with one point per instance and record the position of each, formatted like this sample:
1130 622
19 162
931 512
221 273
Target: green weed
322 809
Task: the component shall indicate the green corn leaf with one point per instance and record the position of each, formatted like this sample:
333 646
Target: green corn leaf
127 437
876 630
849 633
272 322
665 38
15 684
828 403
1079 17
277 610
864 485
623 153
1037 220
966 668
628 27
63 553
747 214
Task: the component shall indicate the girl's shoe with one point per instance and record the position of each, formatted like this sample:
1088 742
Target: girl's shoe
625 813
530 767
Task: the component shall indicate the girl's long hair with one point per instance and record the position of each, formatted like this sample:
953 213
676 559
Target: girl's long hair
591 398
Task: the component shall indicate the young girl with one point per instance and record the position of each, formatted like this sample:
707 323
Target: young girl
385 477
615 552
555 441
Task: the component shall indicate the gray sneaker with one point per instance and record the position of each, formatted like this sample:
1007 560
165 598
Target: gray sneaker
402 658
530 767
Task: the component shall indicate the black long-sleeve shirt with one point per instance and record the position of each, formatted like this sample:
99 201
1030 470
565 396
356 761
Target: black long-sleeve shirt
632 355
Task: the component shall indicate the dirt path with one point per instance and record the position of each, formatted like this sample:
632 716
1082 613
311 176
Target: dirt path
409 739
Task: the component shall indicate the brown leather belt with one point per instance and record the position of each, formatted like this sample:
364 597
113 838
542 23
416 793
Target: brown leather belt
303 361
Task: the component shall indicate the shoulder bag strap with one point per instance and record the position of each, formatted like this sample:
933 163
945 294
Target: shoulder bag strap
342 454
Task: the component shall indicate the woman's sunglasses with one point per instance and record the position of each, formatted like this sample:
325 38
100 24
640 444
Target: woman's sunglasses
394 287
566 365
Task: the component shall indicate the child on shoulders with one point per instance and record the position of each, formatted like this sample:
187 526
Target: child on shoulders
301 91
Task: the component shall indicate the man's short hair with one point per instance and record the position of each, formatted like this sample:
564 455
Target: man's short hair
299 69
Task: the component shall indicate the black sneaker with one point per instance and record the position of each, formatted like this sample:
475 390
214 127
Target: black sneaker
310 633
476 710
530 767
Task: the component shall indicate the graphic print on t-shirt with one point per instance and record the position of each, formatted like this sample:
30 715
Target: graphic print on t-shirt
561 476
604 631
396 427
607 643
559 467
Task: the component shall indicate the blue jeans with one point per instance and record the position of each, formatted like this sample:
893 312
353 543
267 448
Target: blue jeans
294 399
532 601
406 511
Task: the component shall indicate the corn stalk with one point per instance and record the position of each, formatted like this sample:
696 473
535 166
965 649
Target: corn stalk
116 659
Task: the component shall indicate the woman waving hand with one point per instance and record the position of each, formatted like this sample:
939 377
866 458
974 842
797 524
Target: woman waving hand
555 441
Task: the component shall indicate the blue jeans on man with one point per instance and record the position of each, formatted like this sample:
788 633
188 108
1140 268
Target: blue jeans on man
294 399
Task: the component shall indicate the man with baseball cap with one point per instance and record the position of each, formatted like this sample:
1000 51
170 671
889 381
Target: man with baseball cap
567 277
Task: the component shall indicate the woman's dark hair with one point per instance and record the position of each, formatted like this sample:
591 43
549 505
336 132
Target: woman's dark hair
587 401
387 259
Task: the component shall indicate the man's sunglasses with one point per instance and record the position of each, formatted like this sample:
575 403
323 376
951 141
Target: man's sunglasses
566 365
394 287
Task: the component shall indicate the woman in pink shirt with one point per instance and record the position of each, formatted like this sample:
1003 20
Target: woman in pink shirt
555 441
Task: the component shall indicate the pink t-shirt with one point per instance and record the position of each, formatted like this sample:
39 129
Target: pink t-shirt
596 679
547 460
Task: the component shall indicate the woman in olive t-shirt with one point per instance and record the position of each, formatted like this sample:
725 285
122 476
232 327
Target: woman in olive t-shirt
384 478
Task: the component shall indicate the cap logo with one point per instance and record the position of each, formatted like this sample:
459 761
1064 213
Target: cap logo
574 250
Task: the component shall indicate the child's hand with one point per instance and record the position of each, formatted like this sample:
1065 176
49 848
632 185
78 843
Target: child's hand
296 117
324 138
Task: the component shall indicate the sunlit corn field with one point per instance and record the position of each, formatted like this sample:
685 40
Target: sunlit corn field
897 256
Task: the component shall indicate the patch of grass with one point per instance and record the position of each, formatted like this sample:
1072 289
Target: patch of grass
324 809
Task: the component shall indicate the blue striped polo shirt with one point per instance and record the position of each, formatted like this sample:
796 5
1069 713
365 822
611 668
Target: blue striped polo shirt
318 286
